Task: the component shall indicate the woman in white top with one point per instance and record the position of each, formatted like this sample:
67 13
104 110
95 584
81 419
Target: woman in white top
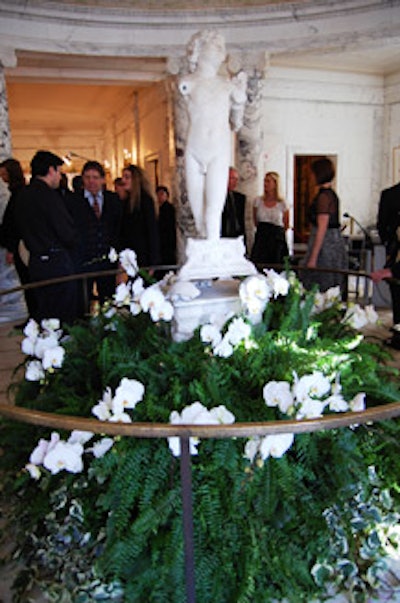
271 218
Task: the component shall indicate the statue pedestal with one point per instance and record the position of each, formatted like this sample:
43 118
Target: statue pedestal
217 300
220 258
213 266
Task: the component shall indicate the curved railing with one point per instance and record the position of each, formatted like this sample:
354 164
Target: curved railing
184 432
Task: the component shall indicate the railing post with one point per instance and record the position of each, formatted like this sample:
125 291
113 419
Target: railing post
187 506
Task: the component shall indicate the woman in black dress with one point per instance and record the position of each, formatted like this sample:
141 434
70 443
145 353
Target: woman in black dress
139 223
10 238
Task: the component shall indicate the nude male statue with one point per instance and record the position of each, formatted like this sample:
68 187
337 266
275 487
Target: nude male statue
215 105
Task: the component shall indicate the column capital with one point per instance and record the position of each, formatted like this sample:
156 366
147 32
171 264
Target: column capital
8 57
253 62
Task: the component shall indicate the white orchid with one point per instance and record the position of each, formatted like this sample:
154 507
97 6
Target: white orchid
118 412
357 404
275 445
224 348
151 297
277 282
254 293
42 346
31 329
314 385
112 408
43 447
33 471
137 288
135 308
194 414
80 437
163 311
222 415
129 392
238 330
101 447
102 410
209 333
64 456
34 371
51 325
45 342
371 314
255 286
128 260
251 448
358 317
337 403
53 357
310 409
327 299
113 255
122 295
278 393
28 346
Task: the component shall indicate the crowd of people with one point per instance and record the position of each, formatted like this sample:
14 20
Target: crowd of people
49 230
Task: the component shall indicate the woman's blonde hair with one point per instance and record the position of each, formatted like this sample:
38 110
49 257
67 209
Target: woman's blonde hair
276 178
139 183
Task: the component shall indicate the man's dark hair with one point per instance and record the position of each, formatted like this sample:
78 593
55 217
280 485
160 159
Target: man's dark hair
162 188
77 183
94 165
42 161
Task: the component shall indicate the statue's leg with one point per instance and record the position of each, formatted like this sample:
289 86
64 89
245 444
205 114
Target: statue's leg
195 188
216 188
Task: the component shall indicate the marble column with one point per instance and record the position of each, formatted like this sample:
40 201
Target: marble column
7 59
250 136
184 218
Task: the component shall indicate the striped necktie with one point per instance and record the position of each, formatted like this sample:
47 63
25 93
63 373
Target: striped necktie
96 207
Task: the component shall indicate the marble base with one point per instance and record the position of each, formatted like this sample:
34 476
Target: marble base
217 301
222 258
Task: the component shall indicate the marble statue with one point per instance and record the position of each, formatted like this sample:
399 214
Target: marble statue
215 105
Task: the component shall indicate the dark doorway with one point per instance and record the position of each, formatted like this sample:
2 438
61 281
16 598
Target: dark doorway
304 192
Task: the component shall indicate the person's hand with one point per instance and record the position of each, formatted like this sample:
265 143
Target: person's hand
121 277
311 263
379 275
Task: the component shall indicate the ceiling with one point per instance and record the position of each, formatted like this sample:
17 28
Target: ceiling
55 90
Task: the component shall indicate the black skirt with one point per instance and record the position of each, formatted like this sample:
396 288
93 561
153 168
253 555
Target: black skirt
269 244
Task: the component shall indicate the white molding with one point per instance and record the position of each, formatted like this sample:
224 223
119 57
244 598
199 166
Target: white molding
96 30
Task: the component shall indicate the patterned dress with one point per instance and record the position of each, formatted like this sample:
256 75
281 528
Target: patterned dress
333 253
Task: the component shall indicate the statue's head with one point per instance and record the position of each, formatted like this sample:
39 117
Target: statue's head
208 40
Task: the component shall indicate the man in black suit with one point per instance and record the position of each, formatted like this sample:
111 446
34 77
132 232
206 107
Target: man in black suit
97 216
233 215
389 232
166 226
49 235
